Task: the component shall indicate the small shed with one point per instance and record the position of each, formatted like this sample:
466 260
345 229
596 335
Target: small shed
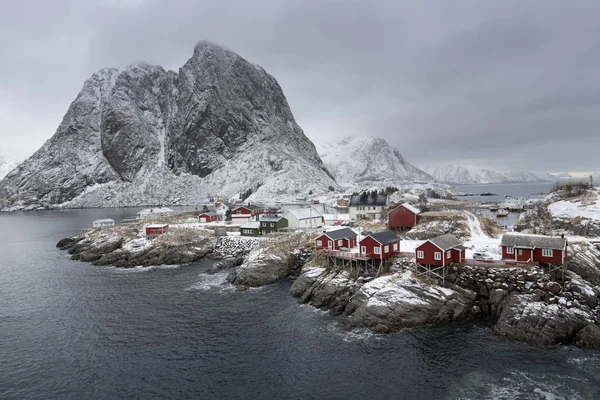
405 216
270 223
336 239
534 248
304 218
251 229
442 250
103 223
208 216
380 245
156 229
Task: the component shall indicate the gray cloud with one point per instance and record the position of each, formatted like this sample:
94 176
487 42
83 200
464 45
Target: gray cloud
508 85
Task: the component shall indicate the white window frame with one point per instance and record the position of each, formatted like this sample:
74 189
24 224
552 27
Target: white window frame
330 244
272 224
420 254
363 249
340 242
448 254
377 250
395 246
520 252
437 255
386 249
319 243
547 252
510 250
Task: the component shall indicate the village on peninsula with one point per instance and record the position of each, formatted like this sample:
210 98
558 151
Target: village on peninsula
391 258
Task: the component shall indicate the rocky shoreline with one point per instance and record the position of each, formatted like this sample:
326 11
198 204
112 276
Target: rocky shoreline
529 305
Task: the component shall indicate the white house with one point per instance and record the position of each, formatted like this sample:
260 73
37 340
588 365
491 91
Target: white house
299 218
367 206
155 213
103 223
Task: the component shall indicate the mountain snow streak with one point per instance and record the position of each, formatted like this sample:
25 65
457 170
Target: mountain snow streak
143 135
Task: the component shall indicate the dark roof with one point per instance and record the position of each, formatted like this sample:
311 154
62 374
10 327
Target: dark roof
447 242
533 241
358 200
249 207
385 237
340 233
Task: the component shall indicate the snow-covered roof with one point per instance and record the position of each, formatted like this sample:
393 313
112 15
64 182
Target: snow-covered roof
271 218
410 208
157 225
533 241
385 237
304 213
251 225
158 210
209 213
447 241
104 221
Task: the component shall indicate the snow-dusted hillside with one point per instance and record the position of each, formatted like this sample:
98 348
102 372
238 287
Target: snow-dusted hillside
7 164
470 174
368 160
141 135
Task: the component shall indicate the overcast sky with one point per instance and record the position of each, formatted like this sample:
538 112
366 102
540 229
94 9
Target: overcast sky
504 84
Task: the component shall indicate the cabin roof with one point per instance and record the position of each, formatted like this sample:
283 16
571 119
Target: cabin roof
533 241
157 225
343 233
209 213
447 242
410 208
251 225
271 218
304 213
385 237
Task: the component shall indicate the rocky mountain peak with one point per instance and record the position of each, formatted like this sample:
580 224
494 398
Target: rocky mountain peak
142 135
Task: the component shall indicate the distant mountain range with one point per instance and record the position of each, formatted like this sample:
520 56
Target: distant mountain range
7 164
368 160
472 175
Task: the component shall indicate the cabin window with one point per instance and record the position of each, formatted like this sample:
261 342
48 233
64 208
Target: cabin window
272 224
377 250
363 249
340 242
329 244
520 252
420 254
319 243
546 252
437 255
386 249
395 247
510 250
448 254
264 224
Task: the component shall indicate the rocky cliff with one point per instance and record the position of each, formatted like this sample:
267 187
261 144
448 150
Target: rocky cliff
7 164
143 135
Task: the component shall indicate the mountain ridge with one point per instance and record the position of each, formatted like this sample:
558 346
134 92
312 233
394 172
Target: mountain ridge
473 175
142 135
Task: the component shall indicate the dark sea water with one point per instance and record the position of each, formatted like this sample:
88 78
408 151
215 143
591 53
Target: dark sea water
69 330
500 191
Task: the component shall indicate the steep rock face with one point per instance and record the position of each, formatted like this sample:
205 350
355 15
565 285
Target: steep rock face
142 135
366 159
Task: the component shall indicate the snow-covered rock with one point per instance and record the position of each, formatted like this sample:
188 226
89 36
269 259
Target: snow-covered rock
143 135
471 175
368 160
7 164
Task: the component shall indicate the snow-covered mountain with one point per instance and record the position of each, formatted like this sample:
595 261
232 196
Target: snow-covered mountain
469 174
368 160
142 135
7 164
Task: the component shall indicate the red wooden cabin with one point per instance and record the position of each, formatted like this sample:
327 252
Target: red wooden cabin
441 250
208 217
404 216
534 248
380 245
156 229
337 239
